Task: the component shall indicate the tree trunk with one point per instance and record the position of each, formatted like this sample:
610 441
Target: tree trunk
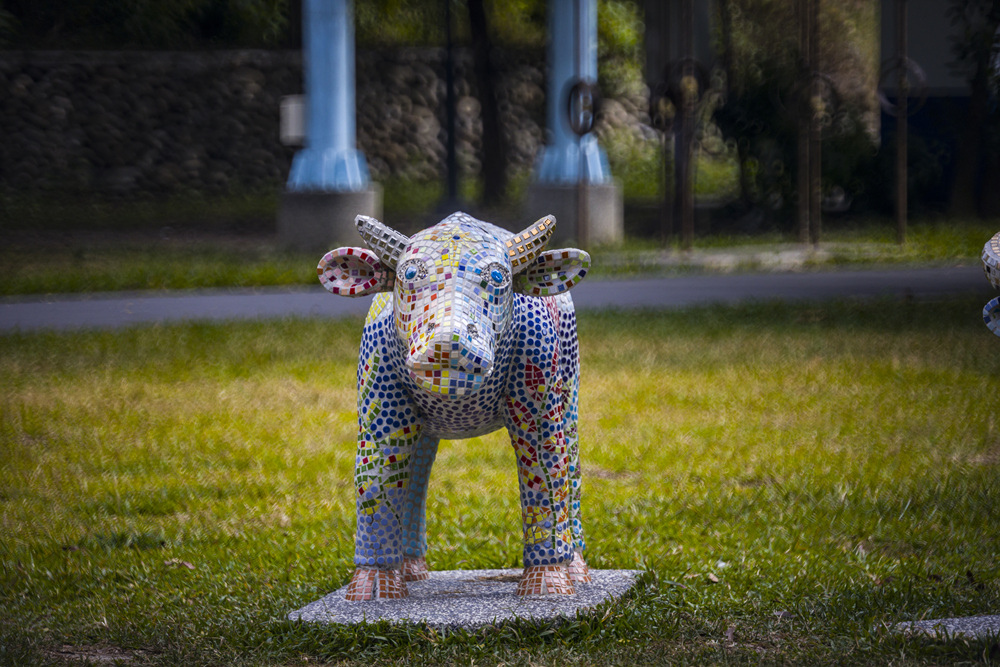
734 92
293 36
494 147
967 155
989 204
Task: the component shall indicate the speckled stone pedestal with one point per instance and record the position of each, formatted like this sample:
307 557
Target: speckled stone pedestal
968 627
469 599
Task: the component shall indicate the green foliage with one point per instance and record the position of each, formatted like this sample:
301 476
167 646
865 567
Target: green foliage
619 26
765 90
794 479
172 24
976 46
514 23
404 22
165 24
976 42
636 163
762 42
8 27
261 21
619 48
518 23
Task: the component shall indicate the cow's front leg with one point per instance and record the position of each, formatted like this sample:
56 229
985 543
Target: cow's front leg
387 456
540 447
414 519
384 470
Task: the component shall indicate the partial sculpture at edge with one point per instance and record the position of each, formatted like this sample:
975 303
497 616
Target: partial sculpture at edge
471 330
991 264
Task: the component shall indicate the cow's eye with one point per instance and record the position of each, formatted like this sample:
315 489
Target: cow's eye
498 274
413 269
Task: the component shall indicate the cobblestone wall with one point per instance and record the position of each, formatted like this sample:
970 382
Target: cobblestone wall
157 123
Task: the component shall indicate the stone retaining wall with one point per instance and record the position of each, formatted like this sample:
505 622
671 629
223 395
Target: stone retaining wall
152 123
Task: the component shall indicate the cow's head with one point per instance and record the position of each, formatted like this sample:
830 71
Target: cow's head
453 289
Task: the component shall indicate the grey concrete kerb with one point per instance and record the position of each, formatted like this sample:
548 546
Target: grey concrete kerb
967 627
470 599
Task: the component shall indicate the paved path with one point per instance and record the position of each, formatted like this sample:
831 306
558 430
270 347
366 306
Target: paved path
61 312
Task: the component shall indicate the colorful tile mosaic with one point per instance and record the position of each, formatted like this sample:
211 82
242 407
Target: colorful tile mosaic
415 569
546 580
991 264
369 583
579 573
991 260
471 330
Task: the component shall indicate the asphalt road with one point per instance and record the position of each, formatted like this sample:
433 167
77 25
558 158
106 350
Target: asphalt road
112 310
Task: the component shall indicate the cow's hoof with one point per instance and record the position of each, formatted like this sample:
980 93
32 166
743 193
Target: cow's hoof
545 580
415 569
369 583
579 573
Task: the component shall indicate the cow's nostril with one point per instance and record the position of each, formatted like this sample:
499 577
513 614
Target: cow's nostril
473 330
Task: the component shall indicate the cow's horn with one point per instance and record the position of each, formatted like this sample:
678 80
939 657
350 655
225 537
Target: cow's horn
523 248
387 243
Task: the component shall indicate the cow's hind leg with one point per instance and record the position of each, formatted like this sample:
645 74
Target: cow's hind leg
414 514
569 369
578 570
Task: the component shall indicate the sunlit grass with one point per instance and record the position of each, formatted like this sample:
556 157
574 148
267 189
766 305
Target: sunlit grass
934 240
857 244
152 264
177 490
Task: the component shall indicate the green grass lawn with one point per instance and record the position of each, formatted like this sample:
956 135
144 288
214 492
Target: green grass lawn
793 479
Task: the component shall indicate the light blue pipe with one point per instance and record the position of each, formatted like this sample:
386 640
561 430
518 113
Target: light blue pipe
330 162
559 162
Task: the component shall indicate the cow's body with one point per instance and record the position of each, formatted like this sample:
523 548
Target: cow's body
465 345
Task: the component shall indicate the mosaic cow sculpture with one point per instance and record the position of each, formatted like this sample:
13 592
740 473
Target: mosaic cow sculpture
991 264
471 330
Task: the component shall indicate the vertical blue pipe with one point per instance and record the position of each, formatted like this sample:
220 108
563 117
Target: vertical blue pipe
572 55
330 162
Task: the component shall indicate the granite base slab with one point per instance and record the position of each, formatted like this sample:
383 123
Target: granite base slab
967 627
469 599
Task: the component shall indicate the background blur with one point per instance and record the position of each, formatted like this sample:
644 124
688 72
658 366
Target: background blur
146 101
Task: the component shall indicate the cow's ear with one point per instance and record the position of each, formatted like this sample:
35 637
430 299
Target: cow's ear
553 272
354 272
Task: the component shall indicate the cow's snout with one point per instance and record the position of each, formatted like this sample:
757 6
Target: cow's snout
453 357
460 348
